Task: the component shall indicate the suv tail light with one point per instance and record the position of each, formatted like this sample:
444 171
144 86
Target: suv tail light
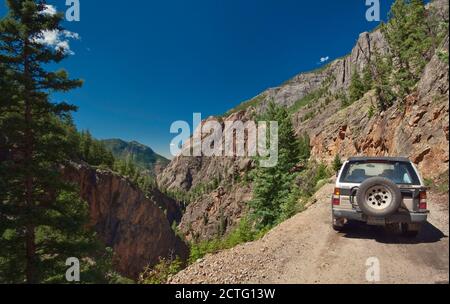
336 200
423 200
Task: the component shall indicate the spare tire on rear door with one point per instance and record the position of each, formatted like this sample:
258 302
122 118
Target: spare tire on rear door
378 197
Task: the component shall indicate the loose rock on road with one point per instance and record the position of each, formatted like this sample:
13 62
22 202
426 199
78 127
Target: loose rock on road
305 249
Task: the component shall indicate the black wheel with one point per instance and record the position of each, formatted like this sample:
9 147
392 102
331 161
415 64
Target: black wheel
378 197
409 230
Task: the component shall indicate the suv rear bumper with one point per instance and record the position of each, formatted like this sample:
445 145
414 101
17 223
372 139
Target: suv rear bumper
399 217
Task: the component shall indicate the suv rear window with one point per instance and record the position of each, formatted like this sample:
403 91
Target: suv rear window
399 172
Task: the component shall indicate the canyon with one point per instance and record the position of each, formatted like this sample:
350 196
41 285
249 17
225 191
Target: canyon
417 127
134 225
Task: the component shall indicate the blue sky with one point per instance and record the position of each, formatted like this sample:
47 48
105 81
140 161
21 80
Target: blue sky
147 64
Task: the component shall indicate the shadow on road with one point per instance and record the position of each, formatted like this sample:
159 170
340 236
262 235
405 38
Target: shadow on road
359 230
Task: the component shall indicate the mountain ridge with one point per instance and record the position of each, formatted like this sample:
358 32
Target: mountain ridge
142 155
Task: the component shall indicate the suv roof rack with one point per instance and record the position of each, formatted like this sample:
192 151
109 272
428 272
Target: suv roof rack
381 158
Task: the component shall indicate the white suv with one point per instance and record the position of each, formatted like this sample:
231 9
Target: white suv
380 191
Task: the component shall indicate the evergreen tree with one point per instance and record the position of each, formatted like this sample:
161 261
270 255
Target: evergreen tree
137 176
85 145
42 220
304 148
382 70
337 163
357 87
273 186
367 79
88 149
409 42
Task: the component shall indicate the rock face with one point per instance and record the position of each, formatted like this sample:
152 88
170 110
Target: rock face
417 128
216 213
186 172
418 131
127 221
336 75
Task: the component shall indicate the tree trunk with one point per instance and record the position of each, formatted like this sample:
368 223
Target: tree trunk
30 237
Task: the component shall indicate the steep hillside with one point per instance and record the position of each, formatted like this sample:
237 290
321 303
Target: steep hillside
184 172
215 213
418 130
131 223
415 126
141 155
334 77
219 196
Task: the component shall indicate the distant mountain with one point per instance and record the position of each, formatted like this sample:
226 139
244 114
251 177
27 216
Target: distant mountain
140 154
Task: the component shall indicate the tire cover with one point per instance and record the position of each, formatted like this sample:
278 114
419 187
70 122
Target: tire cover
383 183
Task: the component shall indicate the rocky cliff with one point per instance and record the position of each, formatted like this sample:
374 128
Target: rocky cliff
134 225
416 127
187 173
216 213
336 76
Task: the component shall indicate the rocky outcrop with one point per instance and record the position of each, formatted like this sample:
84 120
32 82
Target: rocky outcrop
336 75
172 209
133 225
216 213
186 172
418 129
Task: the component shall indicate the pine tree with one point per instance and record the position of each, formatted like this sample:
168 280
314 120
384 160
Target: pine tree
273 186
42 219
90 150
85 145
304 148
382 69
337 163
367 79
409 42
357 88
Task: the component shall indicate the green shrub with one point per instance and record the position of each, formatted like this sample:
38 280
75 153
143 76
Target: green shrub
292 205
337 163
243 233
428 182
308 116
306 100
443 56
371 111
160 273
308 179
440 184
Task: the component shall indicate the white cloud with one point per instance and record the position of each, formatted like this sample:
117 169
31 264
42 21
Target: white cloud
57 39
71 35
49 10
324 59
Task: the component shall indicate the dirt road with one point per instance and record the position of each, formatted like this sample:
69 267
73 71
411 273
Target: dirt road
305 249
